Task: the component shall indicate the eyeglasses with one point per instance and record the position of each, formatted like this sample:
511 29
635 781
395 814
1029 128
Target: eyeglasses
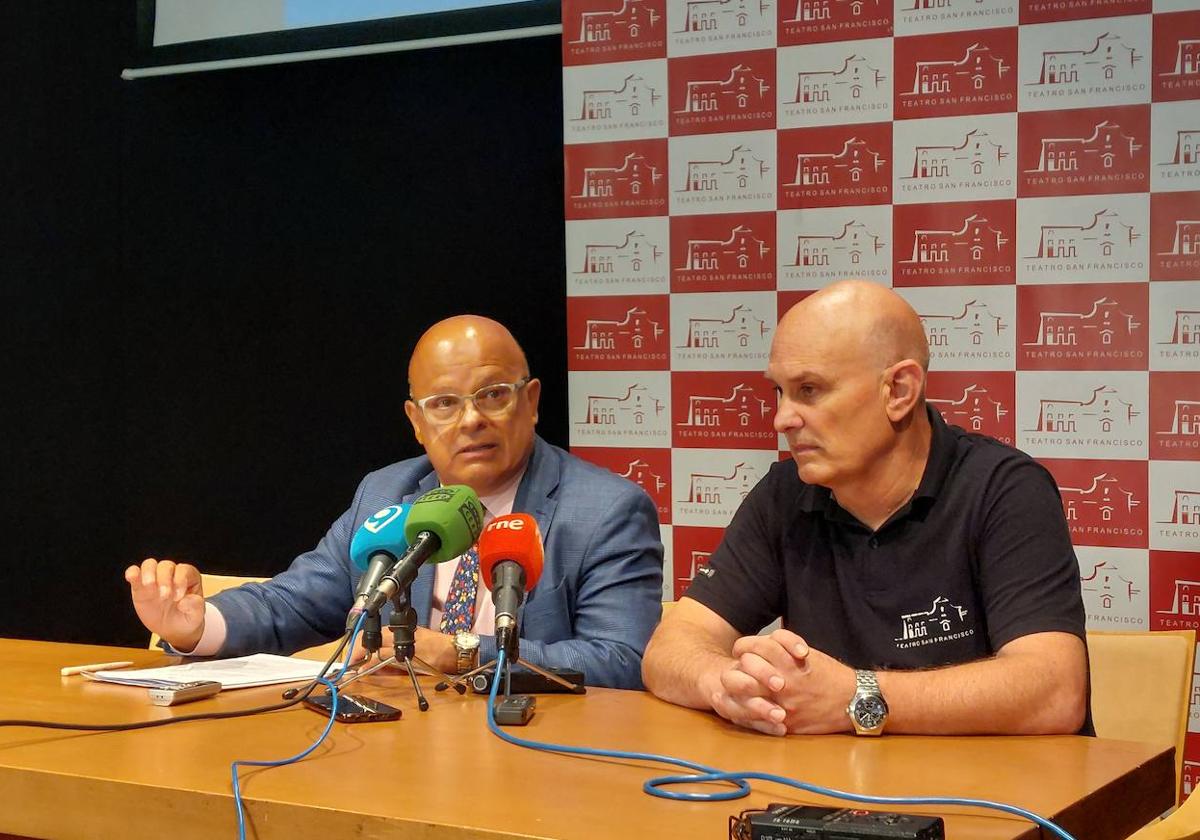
491 401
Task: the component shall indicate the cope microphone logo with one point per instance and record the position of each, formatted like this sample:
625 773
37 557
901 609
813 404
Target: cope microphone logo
614 102
1175 236
835 166
618 333
708 485
955 243
1174 505
1070 415
967 327
616 179
1174 591
1097 150
1047 11
600 31
722 331
723 409
1105 502
649 469
1115 584
1175 322
618 256
835 84
983 402
1176 56
1175 416
919 17
1072 65
825 244
723 253
956 73
710 26
692 549
620 409
1083 240
819 21
727 92
956 158
1090 327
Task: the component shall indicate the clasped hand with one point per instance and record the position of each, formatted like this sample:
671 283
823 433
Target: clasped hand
780 685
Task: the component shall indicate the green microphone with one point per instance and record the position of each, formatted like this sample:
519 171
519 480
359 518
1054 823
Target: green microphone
441 525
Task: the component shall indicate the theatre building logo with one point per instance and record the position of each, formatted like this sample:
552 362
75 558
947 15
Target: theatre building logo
616 409
710 484
727 92
600 31
820 21
1065 240
1115 586
952 158
1175 416
823 245
835 166
980 401
1071 65
606 257
1174 591
1176 56
621 103
1175 318
616 179
618 333
1177 150
1084 152
649 469
1065 415
966 330
723 173
1175 505
944 621
1048 11
919 17
1105 502
1061 329
955 243
832 84
732 410
721 331
1175 236
693 547
956 73
708 26
724 253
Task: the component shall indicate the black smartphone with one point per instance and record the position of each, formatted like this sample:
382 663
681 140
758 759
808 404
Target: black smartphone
352 708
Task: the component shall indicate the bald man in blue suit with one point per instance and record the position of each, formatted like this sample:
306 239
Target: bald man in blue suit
473 407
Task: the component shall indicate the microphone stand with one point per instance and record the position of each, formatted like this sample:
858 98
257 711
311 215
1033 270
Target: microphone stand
508 640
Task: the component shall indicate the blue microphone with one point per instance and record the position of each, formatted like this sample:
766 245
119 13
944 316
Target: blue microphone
374 549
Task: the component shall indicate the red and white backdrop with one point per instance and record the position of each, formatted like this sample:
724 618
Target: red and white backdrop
1026 174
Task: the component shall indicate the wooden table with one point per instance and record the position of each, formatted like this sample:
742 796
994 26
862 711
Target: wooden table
441 774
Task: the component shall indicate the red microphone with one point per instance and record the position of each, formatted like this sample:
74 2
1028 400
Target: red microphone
510 559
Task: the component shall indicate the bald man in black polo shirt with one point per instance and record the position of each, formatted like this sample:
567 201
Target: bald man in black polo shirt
924 575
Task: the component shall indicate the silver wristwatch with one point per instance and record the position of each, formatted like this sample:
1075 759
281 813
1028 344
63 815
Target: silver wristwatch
466 646
868 710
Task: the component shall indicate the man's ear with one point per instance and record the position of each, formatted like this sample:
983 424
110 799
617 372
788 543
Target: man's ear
905 383
414 414
533 392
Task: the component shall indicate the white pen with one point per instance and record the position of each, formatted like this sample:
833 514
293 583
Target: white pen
99 666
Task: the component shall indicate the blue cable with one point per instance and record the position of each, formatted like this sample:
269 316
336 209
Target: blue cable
739 779
332 687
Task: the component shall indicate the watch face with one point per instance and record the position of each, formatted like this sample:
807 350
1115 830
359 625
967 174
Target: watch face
466 641
870 711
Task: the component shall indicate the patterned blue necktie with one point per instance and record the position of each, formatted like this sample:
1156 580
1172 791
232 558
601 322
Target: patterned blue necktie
459 612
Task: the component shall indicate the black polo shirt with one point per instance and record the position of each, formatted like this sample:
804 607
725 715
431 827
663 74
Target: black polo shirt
980 555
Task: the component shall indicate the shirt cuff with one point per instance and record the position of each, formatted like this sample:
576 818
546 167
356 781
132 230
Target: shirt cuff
213 636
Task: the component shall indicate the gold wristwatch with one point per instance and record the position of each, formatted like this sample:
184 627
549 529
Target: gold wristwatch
466 645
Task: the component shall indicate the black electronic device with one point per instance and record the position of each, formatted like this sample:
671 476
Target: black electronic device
352 708
802 822
515 710
531 682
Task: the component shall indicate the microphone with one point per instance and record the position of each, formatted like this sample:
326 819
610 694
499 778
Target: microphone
510 558
441 525
374 549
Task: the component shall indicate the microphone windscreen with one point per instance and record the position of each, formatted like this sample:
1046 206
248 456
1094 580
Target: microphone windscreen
453 513
513 537
383 531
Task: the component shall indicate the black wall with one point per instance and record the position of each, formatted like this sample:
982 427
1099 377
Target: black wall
210 285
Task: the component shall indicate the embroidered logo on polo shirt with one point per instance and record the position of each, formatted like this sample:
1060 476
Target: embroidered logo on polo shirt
942 622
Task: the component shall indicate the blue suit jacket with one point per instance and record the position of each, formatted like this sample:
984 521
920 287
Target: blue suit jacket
594 608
